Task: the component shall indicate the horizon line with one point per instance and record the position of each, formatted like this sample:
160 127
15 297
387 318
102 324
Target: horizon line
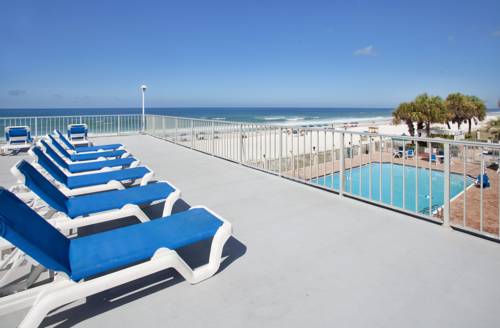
212 107
208 107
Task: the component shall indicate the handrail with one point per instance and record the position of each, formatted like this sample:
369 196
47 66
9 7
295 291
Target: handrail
329 158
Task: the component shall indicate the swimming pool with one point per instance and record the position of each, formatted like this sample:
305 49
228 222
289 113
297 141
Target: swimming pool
411 174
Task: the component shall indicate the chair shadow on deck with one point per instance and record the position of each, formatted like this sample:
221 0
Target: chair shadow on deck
194 255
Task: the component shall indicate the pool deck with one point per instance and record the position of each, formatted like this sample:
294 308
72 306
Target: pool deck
300 256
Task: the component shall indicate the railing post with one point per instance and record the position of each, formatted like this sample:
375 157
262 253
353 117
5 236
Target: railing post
213 138
446 205
192 134
119 125
341 176
280 150
176 125
164 132
36 127
241 144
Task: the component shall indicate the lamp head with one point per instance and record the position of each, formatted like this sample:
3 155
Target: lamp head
143 88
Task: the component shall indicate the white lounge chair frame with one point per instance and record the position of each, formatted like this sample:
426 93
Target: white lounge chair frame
63 290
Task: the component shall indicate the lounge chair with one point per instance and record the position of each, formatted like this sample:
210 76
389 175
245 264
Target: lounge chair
410 153
77 134
17 138
72 185
89 265
77 157
398 153
486 181
87 149
83 210
85 167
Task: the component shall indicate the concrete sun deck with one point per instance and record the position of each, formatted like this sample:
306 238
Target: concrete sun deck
300 256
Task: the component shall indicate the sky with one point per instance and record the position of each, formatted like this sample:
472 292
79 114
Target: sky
246 53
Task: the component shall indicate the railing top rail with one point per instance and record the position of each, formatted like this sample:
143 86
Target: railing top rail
64 116
202 119
336 130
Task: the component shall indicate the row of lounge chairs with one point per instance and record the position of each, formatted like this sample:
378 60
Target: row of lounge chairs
65 187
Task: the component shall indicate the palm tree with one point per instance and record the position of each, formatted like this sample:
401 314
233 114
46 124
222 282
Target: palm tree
478 111
458 107
430 109
405 113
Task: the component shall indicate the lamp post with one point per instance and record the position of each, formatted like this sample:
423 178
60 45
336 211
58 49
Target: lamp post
143 89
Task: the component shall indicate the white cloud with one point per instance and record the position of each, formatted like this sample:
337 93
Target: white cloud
366 51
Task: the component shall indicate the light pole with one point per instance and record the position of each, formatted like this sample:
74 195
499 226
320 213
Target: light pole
143 89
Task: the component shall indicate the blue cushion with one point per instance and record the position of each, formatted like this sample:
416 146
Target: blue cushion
96 148
26 230
64 140
97 165
18 132
486 180
49 166
94 179
84 167
96 155
115 199
77 128
55 156
98 253
59 147
35 181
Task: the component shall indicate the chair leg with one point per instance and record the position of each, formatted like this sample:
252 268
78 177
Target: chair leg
35 273
170 201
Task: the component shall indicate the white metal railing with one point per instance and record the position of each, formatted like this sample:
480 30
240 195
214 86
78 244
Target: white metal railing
97 124
429 178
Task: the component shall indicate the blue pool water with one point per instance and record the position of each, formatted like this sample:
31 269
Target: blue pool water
411 174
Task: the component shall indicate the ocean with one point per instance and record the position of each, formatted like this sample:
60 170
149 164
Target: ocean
270 115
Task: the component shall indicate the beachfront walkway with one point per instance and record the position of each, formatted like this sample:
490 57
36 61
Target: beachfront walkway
300 257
